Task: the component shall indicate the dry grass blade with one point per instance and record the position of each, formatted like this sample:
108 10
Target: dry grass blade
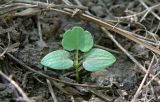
106 98
106 25
143 81
48 5
129 55
122 32
51 90
149 10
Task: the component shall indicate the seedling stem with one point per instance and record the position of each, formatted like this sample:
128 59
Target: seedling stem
77 66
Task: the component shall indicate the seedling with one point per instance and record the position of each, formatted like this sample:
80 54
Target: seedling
76 39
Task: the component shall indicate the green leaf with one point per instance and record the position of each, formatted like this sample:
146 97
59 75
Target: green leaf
58 59
98 59
77 38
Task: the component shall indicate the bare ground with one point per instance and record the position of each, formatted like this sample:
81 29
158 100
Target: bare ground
134 77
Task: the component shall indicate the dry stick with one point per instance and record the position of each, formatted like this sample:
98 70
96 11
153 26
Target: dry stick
122 32
157 29
125 51
16 86
59 86
78 2
150 10
144 16
49 5
153 78
83 16
142 83
108 49
9 40
51 89
72 99
129 55
40 42
149 42
67 2
69 5
139 13
15 7
104 97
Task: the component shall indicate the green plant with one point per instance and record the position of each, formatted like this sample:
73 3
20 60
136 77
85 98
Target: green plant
79 40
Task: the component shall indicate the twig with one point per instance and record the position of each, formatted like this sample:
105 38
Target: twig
72 99
108 49
129 55
24 79
59 86
139 13
41 43
48 5
104 97
153 78
149 9
144 16
78 2
158 27
67 2
9 40
16 86
120 31
142 83
83 16
51 89
13 7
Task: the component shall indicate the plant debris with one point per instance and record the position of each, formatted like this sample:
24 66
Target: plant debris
30 29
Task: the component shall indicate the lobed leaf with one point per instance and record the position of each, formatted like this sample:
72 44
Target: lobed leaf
58 59
98 59
77 38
